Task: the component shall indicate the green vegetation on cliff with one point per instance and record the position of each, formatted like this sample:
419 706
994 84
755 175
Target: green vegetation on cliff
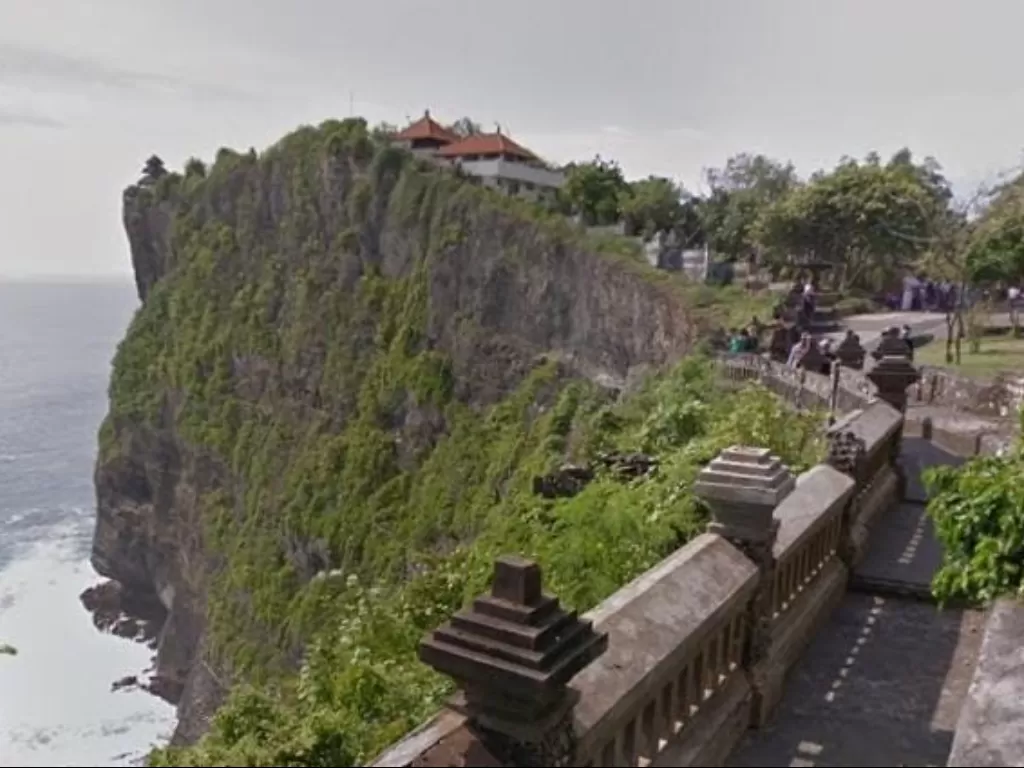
362 485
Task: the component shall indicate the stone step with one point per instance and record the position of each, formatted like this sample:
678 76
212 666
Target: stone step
887 587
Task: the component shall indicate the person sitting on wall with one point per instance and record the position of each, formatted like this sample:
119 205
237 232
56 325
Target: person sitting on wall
799 350
808 299
739 342
753 336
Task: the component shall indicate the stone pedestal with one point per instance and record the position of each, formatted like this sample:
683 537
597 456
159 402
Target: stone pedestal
742 488
893 374
512 654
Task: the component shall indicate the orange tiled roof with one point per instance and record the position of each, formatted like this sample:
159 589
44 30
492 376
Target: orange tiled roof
427 128
486 144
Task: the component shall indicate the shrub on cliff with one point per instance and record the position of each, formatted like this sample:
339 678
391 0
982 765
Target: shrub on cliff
978 511
361 686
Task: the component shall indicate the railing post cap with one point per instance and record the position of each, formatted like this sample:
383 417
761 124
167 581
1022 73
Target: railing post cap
742 487
511 686
745 474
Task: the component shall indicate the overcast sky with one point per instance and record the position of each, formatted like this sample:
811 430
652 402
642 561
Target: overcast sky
89 89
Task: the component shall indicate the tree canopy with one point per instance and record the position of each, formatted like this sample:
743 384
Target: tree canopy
871 221
996 252
594 191
740 194
653 204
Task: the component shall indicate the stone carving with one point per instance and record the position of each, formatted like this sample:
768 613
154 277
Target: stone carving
512 655
846 452
571 479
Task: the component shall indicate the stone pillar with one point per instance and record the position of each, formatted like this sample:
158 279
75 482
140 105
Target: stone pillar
893 372
512 654
892 375
742 488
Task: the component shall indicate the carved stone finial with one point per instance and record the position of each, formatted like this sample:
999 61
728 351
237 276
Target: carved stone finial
891 345
742 487
512 654
892 375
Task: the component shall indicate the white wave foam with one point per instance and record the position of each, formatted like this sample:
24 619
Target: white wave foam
56 704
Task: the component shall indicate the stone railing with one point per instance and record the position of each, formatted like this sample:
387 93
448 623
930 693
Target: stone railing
1000 396
845 390
674 667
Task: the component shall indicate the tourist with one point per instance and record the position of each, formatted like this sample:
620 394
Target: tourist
808 299
799 349
737 341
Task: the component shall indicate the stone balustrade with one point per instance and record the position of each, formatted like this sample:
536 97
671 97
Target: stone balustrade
675 666
847 391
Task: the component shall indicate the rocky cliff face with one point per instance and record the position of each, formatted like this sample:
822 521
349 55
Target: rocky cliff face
326 331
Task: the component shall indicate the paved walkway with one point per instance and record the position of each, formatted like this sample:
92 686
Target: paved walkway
882 683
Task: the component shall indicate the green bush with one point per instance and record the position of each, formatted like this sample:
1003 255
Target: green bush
978 511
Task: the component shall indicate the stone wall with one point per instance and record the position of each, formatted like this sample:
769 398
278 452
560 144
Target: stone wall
990 731
1000 396
698 647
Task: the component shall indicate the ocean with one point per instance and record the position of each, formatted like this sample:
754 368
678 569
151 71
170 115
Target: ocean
56 703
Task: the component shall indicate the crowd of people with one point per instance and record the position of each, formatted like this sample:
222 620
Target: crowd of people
920 293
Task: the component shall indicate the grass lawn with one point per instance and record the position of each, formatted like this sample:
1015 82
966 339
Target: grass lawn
998 354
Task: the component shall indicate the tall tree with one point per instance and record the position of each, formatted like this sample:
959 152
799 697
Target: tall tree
869 220
594 191
739 194
654 204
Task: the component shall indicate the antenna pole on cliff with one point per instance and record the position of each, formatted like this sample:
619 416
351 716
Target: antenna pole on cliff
351 104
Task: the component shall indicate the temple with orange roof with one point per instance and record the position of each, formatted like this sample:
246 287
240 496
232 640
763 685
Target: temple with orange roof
494 158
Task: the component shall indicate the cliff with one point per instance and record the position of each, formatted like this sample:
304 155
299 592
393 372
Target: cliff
347 369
